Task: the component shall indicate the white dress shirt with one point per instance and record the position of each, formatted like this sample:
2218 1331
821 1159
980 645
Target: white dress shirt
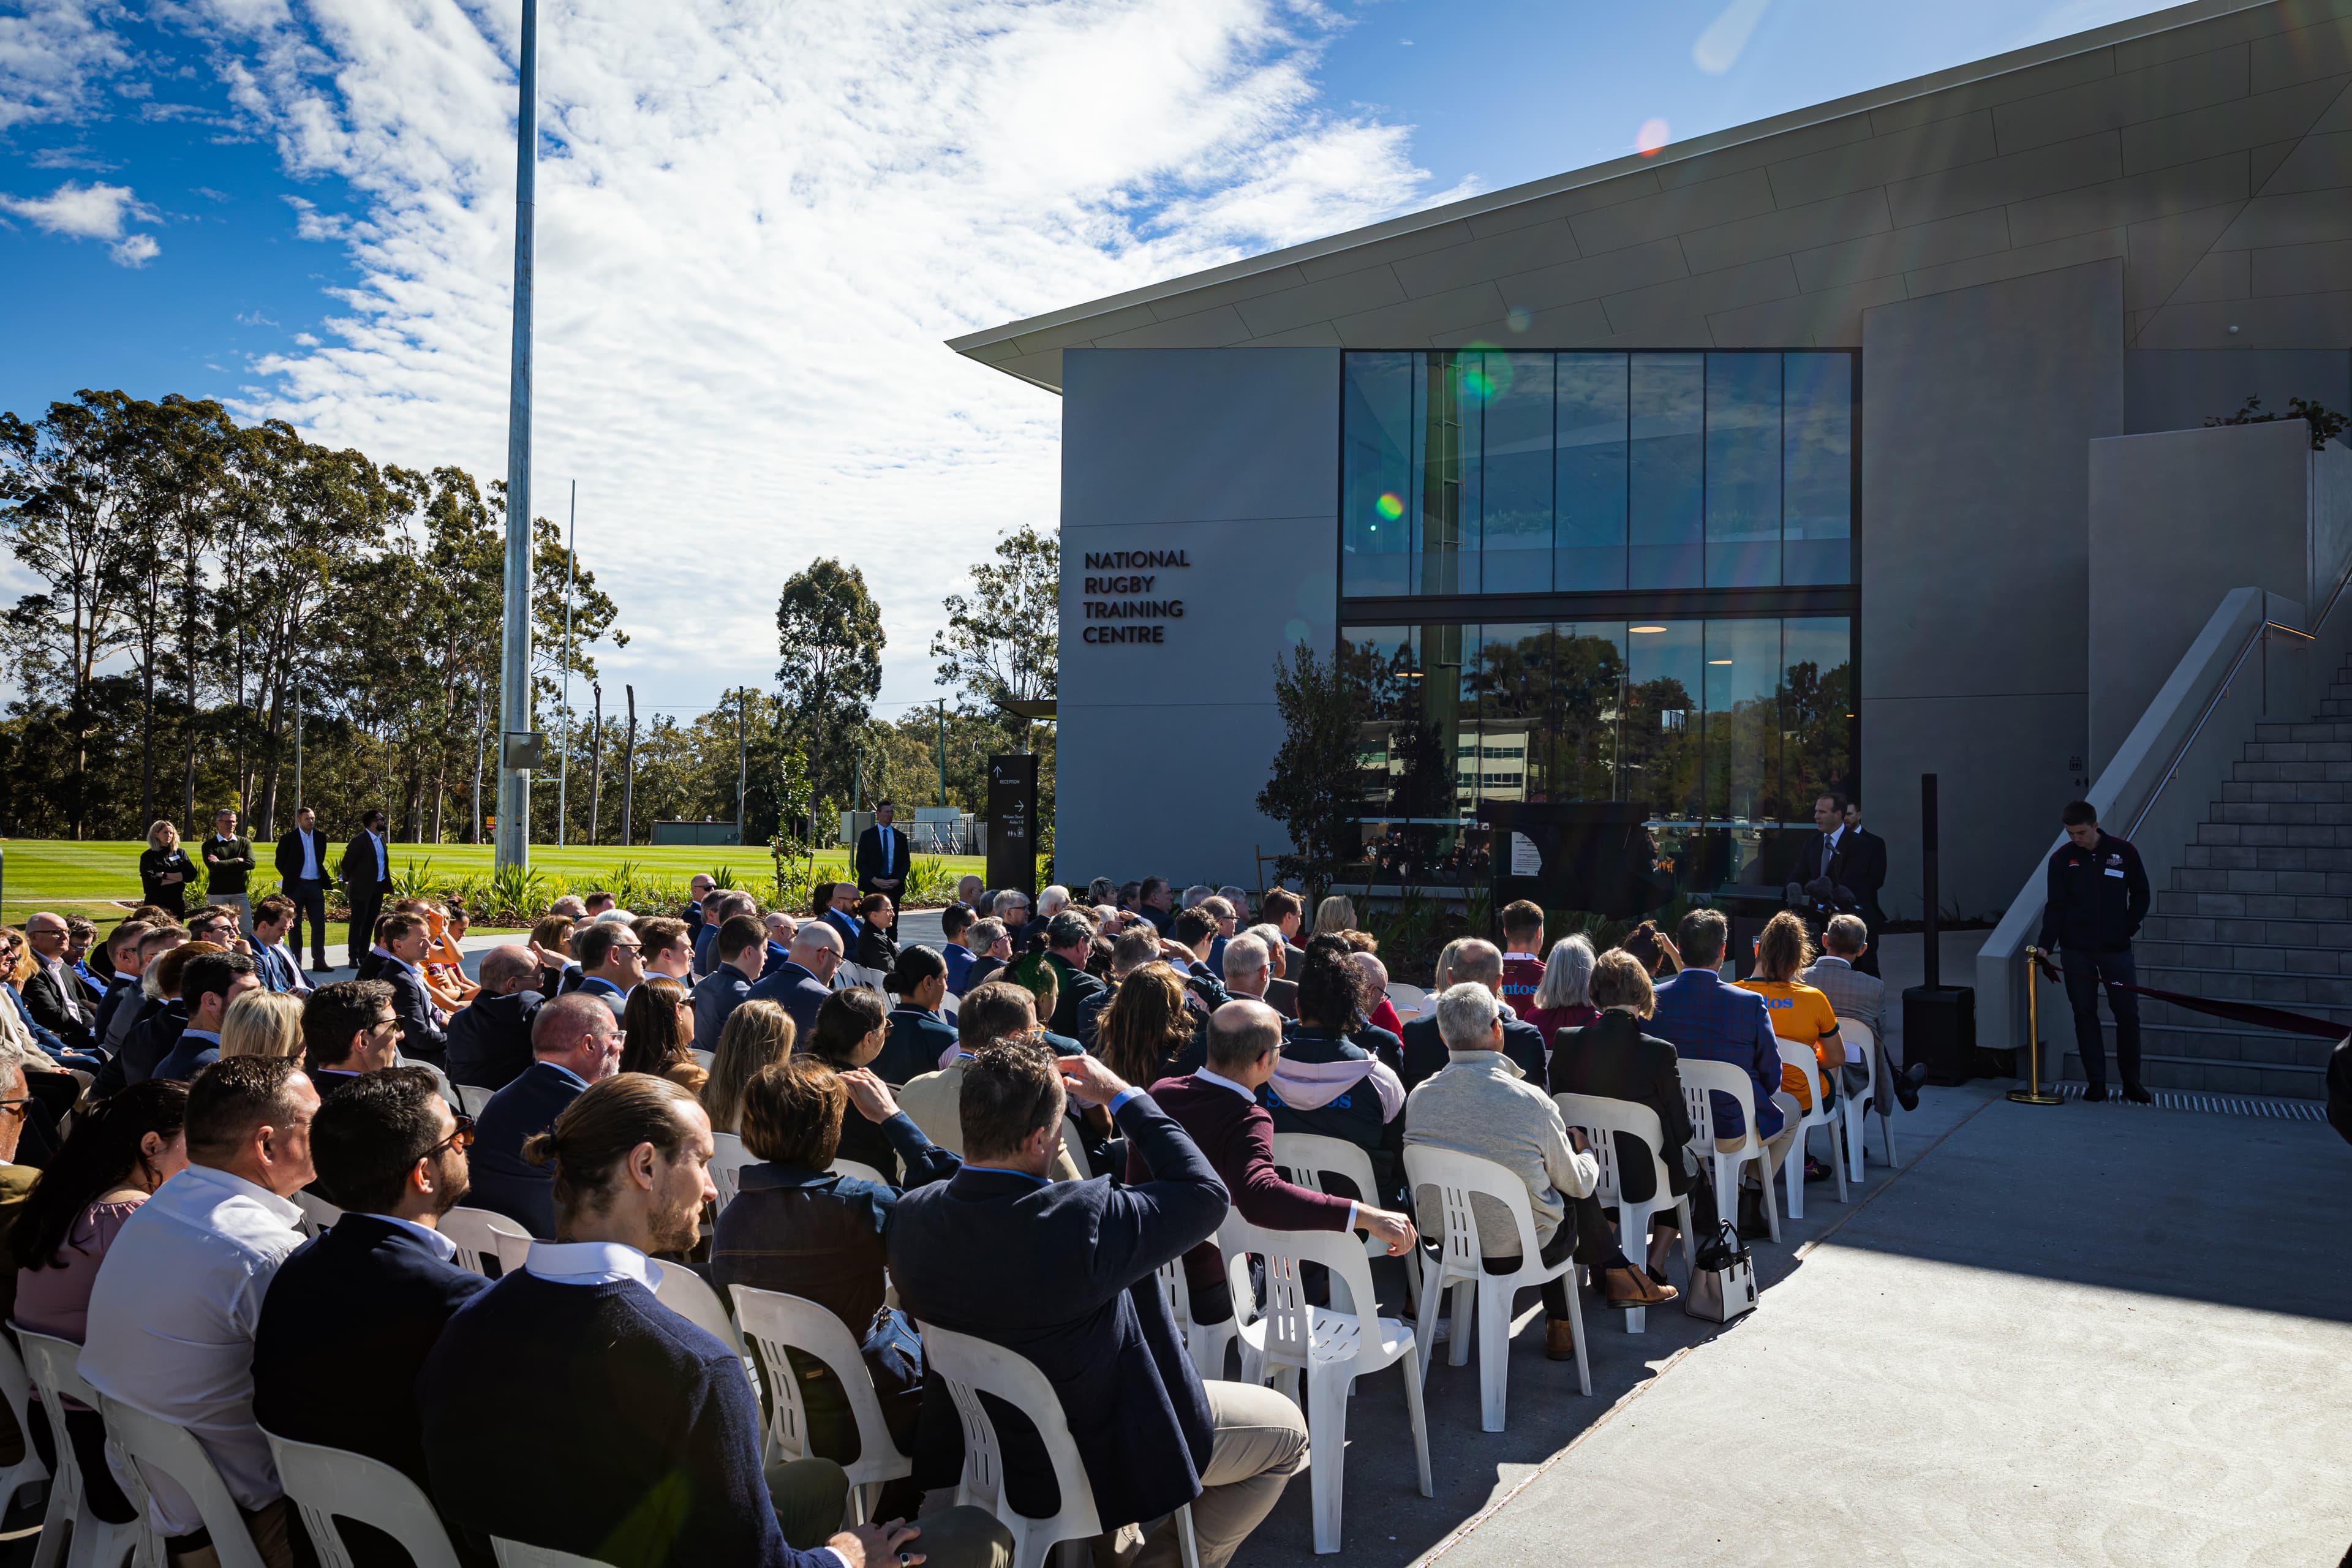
443 1247
310 856
171 1316
68 991
382 862
591 1263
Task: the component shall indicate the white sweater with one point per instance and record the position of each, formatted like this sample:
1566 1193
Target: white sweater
1478 1104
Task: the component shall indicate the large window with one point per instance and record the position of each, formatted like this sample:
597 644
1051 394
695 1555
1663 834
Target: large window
1724 729
1479 471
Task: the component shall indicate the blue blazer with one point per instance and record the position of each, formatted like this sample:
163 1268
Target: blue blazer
847 926
1426 1054
914 1046
800 992
1064 1272
420 1036
489 1039
503 1179
344 1328
706 938
717 995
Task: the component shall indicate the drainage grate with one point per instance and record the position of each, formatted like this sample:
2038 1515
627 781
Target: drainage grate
2214 1104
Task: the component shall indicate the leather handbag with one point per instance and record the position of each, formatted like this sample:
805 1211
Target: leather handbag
1722 1279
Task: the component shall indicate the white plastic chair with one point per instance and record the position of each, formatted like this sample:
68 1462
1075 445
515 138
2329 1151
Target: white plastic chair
1460 1262
970 1368
728 1158
1792 1166
176 1452
327 1484
514 1555
1862 1041
773 1320
1306 1157
1331 1350
1602 1119
476 1233
852 975
702 1058
1410 1001
688 1294
472 1096
861 1172
17 1384
53 1365
1700 1078
513 1248
1206 1343
319 1216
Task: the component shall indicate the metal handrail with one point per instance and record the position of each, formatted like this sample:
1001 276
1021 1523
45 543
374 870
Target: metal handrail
2181 752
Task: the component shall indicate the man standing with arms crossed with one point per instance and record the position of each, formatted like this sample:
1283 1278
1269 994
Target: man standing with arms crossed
228 861
367 879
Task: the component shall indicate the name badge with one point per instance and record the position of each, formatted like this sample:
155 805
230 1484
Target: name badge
2114 871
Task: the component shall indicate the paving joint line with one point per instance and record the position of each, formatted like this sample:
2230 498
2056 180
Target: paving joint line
1462 1531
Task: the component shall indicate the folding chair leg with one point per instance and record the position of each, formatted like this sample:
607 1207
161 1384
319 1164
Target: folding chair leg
1886 1138
1792 1173
1327 1448
1461 1318
1187 1542
1576 1329
1415 1408
1495 1356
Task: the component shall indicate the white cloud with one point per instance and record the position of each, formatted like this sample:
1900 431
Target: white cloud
54 57
95 210
756 226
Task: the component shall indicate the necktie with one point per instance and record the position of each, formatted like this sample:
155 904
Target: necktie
1828 852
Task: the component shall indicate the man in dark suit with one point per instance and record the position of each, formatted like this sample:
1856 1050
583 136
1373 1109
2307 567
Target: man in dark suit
1425 1049
885 857
367 882
1827 852
55 995
574 1043
349 1317
302 876
489 1038
699 890
423 1033
839 911
1069 939
279 965
1866 873
612 962
1065 1273
802 983
742 952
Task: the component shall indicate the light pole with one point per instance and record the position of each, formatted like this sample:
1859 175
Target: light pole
515 751
563 777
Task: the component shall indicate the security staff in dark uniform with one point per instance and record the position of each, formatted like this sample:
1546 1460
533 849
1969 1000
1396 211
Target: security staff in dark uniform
2097 897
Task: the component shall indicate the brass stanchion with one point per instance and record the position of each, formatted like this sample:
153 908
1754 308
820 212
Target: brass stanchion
2032 1094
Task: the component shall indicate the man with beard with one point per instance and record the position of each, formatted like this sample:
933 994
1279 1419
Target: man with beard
350 1316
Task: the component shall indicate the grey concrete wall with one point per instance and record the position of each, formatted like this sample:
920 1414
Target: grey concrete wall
1232 459
2177 520
2180 389
1978 408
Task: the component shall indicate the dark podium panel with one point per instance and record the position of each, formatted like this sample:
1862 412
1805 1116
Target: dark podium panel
1576 855
1939 1028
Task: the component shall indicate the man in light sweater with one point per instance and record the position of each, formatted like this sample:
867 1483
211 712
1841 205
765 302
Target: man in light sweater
1481 1103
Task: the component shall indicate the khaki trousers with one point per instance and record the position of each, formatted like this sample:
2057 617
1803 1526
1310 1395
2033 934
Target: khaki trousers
1261 1443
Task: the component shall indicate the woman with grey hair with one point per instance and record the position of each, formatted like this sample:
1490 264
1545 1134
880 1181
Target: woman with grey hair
1564 1000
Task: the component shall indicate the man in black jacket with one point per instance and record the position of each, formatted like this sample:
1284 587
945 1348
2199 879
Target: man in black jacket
489 1038
367 882
2097 897
423 1033
884 858
1866 873
302 876
349 1318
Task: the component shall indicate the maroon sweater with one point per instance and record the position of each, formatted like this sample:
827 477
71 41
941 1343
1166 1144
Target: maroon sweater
1238 1136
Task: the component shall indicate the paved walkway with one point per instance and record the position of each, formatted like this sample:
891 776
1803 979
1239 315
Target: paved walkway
2084 1334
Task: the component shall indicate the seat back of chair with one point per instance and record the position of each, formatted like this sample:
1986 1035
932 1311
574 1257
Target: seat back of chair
1176 1293
1309 1157
319 1216
475 1233
775 1322
857 975
863 1172
472 1096
1456 1176
702 1058
1701 1078
1861 1041
1809 1066
1410 1001
1602 1119
728 1158
54 1366
177 1454
685 1292
971 1367
1290 1318
513 1248
328 1483
514 1555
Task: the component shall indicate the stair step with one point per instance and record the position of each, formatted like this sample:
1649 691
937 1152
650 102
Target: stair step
2323 934
2215 1041
2313 779
2207 1075
2154 1014
2299 750
2278 835
2291 990
2255 906
2265 858
2254 958
2233 879
2284 814
2318 730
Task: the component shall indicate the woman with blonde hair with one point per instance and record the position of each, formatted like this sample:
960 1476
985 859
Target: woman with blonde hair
164 869
551 944
657 1033
1800 1012
757 1033
1147 1030
263 1024
1334 915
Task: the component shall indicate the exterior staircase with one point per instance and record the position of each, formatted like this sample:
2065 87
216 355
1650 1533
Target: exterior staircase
2260 911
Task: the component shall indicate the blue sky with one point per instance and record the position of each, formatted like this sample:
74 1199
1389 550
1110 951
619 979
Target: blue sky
759 221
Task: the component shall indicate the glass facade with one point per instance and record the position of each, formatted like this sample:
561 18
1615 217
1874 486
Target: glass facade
1480 472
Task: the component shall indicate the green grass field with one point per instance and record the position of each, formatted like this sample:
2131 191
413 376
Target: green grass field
93 877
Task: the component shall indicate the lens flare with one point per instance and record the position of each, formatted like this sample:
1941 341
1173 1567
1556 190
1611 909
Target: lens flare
1519 319
1390 506
1650 138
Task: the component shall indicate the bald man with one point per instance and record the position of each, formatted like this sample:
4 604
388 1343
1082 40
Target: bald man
802 983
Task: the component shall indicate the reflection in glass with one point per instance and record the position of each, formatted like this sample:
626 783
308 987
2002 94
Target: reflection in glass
1743 717
1511 677
1589 422
1817 711
1516 501
1588 694
1658 739
1817 440
1446 559
1663 526
1743 470
1377 438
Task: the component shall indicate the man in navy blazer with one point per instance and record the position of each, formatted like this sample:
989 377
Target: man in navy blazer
839 911
574 1043
802 982
885 857
303 874
350 1317
1064 1274
489 1038
612 964
742 953
1424 1050
422 1032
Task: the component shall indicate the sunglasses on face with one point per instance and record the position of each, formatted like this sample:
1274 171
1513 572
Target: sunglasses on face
462 1138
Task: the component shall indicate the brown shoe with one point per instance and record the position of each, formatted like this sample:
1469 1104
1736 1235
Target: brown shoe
1630 1288
1559 1338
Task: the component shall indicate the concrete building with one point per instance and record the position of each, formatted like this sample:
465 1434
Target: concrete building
1820 452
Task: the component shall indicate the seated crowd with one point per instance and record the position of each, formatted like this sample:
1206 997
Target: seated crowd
1060 1100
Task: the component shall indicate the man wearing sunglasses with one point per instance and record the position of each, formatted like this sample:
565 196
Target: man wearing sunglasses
349 1318
612 961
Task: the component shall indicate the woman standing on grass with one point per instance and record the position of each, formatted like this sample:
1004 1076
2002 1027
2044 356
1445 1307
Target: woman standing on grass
164 869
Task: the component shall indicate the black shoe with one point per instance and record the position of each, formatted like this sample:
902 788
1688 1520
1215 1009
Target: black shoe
1657 1276
2136 1095
1815 1170
1906 1085
2096 1093
1753 1223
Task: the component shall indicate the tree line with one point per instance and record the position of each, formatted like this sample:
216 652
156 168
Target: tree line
206 588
